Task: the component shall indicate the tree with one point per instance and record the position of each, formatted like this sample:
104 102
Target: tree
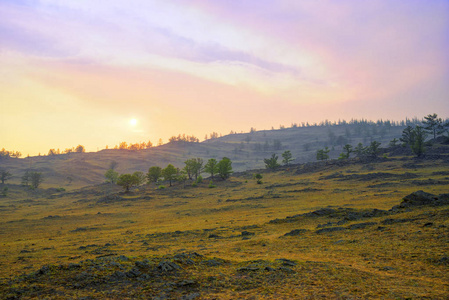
140 177
193 167
169 173
393 142
287 157
360 150
419 138
348 149
127 181
224 168
373 149
272 162
433 124
36 179
111 176
407 136
154 173
258 177
211 167
80 149
26 178
5 175
197 167
322 154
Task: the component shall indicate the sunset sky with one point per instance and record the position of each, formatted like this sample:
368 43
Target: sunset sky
77 72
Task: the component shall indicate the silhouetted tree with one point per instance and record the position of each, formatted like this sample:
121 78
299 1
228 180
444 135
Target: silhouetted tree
80 149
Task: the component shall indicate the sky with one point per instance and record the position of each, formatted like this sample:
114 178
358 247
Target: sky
100 72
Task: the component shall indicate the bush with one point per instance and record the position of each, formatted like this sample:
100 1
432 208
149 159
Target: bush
199 179
194 184
161 187
259 181
211 185
61 189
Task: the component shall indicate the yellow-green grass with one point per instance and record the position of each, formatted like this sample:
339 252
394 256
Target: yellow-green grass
401 260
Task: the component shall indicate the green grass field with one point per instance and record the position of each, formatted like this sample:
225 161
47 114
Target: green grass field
230 242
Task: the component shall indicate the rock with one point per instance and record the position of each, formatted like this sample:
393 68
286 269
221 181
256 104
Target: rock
287 262
394 221
361 225
247 233
186 282
418 198
212 263
134 272
296 232
323 212
168 266
331 229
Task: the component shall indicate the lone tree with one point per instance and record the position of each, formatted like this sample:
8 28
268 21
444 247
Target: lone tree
287 157
154 173
169 173
224 168
271 163
211 167
5 175
127 181
433 124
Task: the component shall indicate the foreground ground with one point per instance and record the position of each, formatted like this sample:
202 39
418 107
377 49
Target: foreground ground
307 232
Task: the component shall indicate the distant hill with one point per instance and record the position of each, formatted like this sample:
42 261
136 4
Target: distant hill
246 150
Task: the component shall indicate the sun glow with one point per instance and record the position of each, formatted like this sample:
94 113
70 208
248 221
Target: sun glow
133 122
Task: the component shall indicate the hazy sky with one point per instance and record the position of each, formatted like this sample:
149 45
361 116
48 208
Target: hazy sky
76 72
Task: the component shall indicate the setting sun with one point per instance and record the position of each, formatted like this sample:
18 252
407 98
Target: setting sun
133 122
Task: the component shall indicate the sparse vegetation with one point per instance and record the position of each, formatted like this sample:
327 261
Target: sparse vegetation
349 228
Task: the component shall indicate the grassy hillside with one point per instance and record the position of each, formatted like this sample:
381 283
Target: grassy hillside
333 230
246 150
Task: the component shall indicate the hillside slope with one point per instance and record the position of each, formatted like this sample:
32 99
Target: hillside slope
246 150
